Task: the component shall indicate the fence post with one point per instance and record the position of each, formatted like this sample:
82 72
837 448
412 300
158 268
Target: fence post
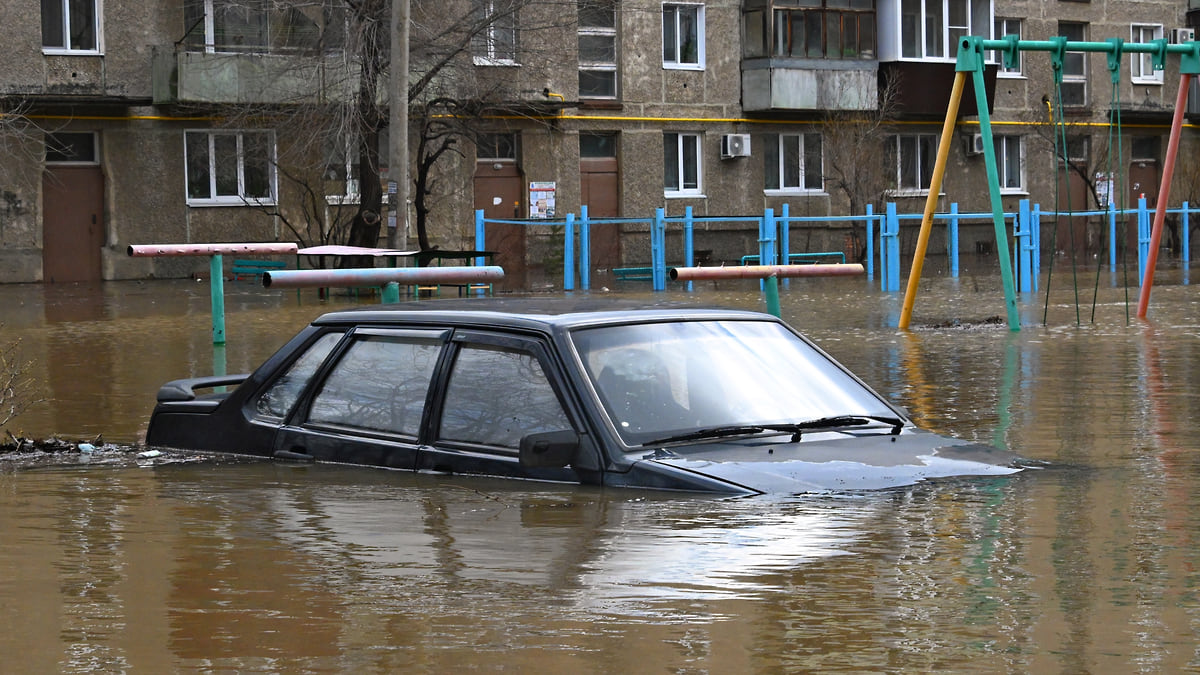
1035 217
1143 220
585 249
893 248
766 242
569 253
689 253
1112 234
952 239
1024 230
479 237
216 286
658 257
1185 238
870 242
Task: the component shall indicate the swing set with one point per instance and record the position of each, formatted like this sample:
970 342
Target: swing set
970 60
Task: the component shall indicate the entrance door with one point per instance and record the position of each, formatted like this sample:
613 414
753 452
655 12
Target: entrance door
600 191
72 223
498 192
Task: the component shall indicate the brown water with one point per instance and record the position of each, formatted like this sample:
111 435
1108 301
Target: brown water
1090 564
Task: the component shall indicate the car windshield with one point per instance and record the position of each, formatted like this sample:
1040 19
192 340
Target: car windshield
657 381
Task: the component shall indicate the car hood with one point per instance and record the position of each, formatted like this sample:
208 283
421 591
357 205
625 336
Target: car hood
845 462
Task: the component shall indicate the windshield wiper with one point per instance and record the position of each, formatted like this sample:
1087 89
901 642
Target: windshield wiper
839 421
794 428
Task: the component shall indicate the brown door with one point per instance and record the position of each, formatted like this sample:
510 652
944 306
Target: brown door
1072 231
498 192
1143 182
600 183
72 223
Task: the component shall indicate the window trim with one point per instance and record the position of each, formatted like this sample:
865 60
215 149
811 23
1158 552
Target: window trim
999 142
97 28
999 30
602 66
777 141
231 200
698 139
699 65
948 45
1140 63
895 142
487 36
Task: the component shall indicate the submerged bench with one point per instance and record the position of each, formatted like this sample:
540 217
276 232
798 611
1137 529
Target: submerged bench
800 257
255 268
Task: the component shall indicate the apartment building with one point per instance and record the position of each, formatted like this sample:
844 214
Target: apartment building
128 122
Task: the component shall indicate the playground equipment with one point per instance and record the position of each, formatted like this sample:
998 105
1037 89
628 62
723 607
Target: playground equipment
389 278
971 60
216 276
770 274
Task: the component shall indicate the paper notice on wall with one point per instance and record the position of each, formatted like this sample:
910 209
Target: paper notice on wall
541 199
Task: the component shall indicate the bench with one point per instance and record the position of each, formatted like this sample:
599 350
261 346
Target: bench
255 268
801 257
633 273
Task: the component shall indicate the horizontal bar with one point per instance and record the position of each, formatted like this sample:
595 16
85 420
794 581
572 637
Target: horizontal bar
1106 47
378 276
162 250
765 271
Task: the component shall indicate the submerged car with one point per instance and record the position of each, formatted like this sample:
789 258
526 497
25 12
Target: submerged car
580 391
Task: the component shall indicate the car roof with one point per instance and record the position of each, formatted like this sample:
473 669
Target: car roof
540 313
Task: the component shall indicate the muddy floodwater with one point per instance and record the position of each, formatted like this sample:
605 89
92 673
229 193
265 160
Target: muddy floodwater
184 563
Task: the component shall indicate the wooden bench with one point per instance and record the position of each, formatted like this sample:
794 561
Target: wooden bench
255 268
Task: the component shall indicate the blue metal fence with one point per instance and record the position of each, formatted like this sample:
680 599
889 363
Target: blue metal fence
774 242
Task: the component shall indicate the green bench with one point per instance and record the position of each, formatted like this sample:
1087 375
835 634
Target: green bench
633 273
255 268
800 257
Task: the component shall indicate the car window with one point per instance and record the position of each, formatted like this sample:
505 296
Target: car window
279 399
496 396
379 384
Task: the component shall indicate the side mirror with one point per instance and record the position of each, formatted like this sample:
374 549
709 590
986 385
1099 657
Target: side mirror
549 449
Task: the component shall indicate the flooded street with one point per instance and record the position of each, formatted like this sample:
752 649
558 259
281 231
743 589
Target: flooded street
183 563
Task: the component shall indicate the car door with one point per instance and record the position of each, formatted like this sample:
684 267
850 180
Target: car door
495 390
368 405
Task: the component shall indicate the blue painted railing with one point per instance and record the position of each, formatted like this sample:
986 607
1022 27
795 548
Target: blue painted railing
774 243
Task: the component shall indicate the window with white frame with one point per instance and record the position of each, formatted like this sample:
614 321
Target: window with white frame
263 26
1008 27
930 29
1074 84
496 41
793 162
1010 162
913 155
683 36
71 26
230 167
681 163
597 49
1143 64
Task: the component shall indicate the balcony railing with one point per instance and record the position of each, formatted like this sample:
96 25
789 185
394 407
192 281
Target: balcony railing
209 75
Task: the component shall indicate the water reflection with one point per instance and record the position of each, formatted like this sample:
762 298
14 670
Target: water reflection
1085 565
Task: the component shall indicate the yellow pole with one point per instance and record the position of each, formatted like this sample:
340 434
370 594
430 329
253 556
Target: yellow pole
935 188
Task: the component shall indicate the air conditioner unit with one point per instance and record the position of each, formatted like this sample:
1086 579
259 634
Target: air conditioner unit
974 144
1181 35
735 145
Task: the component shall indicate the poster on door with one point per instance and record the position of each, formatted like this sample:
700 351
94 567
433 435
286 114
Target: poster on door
541 199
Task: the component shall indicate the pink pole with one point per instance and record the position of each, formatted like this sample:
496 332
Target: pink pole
764 272
378 276
1164 192
157 250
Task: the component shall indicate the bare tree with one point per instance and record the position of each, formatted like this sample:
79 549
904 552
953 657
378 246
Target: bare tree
17 388
854 141
347 118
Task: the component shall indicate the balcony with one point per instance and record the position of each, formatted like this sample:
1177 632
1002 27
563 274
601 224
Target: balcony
808 85
199 76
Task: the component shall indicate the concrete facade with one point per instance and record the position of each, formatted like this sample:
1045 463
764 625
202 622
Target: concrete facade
127 92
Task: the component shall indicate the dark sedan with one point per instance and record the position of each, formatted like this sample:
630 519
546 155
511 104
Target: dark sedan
580 391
